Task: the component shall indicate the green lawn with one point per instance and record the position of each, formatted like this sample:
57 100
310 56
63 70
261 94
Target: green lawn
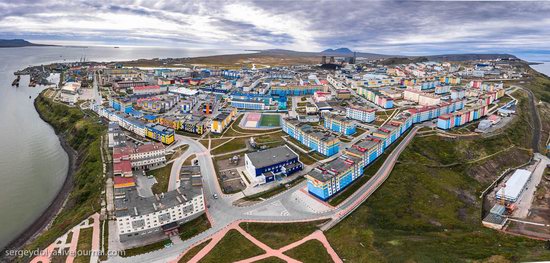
311 251
540 85
233 145
215 142
84 245
304 157
194 251
162 175
105 236
194 227
280 235
428 213
270 260
145 249
270 120
233 247
358 131
60 255
368 172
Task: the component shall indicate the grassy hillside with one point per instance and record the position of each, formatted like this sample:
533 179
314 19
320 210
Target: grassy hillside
540 85
429 208
83 133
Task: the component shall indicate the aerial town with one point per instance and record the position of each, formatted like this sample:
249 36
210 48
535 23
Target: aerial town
280 143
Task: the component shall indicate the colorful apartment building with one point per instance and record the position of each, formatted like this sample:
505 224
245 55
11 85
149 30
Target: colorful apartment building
367 149
251 103
431 112
388 133
376 97
339 124
330 178
361 113
137 157
159 133
121 104
149 90
295 89
459 118
376 83
450 80
171 122
422 98
319 140
194 124
222 121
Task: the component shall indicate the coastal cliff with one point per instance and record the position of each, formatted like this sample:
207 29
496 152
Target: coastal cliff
80 134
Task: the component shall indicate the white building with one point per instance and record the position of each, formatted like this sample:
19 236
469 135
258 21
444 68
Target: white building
361 113
514 186
69 92
138 216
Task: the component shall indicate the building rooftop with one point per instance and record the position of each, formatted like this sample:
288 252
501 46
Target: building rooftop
129 203
271 156
515 184
333 168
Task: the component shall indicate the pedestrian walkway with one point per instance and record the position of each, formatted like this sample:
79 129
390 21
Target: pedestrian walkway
63 242
269 252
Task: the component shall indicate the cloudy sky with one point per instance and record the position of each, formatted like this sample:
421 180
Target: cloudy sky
391 27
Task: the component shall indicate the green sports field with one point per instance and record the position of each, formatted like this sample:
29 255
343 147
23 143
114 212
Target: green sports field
270 120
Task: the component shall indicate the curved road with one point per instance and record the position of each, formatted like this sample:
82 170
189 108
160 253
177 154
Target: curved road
280 208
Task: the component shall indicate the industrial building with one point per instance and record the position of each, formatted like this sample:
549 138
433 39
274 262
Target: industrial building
514 186
263 166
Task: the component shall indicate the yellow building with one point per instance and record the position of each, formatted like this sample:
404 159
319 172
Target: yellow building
221 121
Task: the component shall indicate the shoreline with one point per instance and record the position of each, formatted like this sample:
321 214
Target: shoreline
45 220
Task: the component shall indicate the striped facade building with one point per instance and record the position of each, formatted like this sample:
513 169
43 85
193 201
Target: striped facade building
321 141
339 124
376 97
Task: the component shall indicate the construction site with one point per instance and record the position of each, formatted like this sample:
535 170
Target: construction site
517 202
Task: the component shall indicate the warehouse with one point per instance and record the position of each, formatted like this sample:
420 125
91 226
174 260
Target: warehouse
514 186
263 166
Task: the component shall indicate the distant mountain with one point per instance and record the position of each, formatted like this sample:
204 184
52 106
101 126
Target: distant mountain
464 57
343 50
17 43
339 52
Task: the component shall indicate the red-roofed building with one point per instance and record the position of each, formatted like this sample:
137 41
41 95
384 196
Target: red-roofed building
122 168
149 89
145 156
123 182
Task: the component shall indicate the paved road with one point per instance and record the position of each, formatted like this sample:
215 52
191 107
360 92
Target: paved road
280 208
537 125
526 200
